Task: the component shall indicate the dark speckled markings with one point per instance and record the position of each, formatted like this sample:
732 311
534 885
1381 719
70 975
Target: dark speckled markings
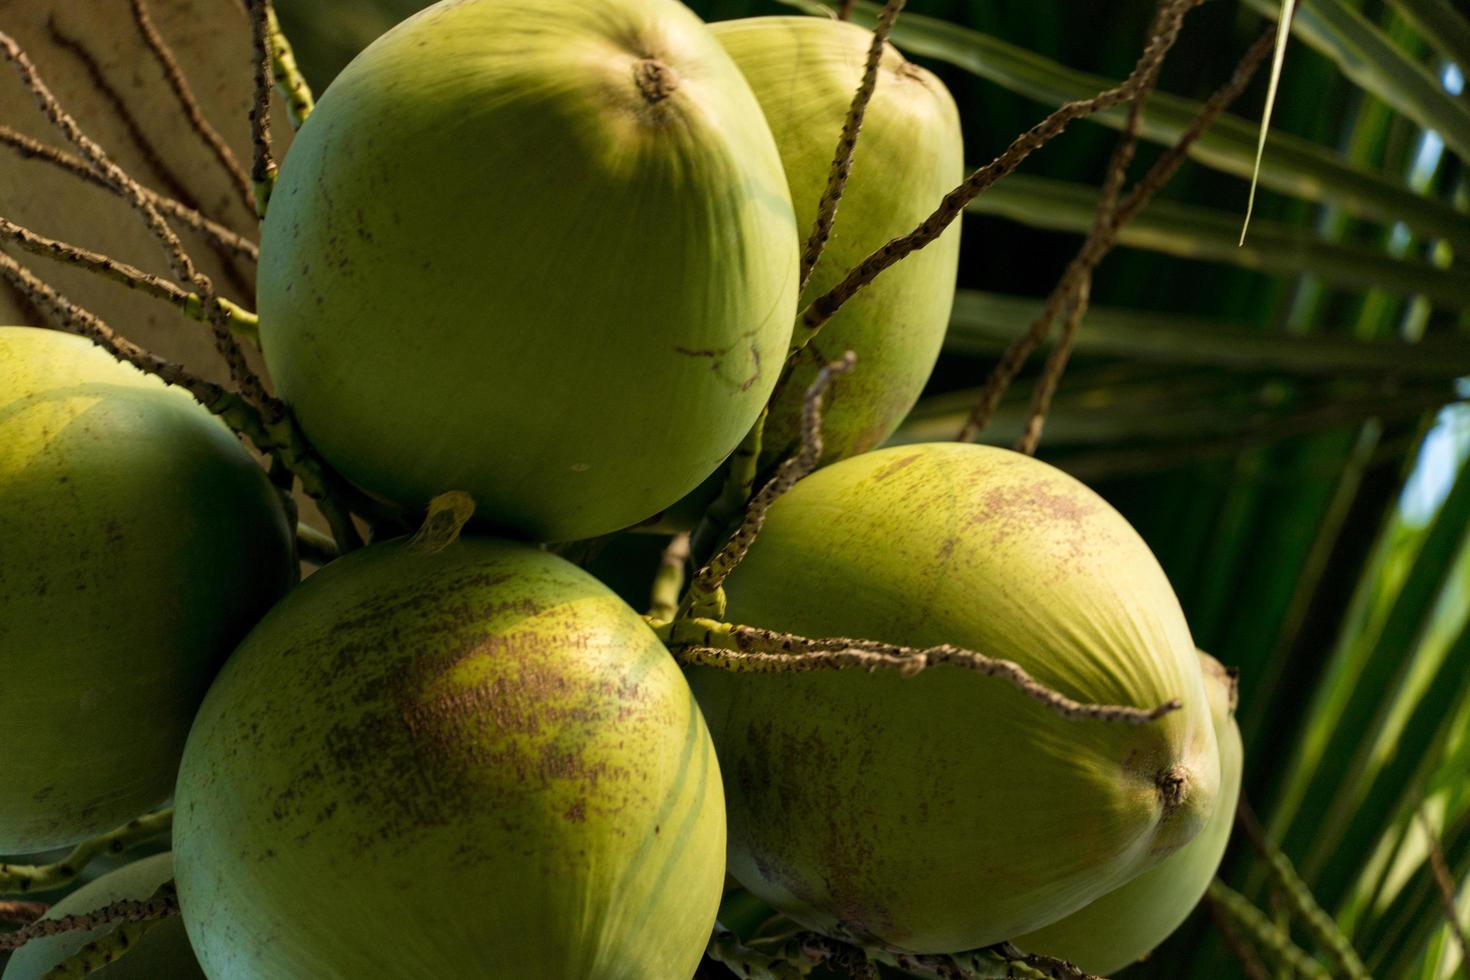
486 736
946 811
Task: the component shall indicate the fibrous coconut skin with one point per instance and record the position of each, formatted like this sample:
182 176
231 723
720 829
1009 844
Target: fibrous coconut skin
910 153
162 953
1126 924
138 543
947 811
473 763
541 251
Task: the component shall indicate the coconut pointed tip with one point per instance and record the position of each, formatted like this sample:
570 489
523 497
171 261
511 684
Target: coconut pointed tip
1173 784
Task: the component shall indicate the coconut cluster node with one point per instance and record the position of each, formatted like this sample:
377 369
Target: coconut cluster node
532 268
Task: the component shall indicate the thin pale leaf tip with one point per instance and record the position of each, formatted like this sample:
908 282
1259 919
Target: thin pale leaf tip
1288 8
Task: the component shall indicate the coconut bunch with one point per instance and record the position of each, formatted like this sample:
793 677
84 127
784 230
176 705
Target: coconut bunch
531 274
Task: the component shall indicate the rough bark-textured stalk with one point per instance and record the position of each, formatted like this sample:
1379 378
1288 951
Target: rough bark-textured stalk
193 112
704 591
263 163
179 260
215 232
127 910
1158 175
243 323
842 159
747 649
812 319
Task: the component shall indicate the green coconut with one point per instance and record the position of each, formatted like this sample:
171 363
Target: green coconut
949 811
541 251
162 953
1125 925
138 543
804 71
473 763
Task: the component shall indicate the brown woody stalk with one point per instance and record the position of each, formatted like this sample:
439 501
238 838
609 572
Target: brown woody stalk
1096 248
239 414
847 144
242 321
263 166
1081 292
278 437
1445 882
747 649
826 306
1047 966
127 910
179 261
20 913
192 110
709 579
217 233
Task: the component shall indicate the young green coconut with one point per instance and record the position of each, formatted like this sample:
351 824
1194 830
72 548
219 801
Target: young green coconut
138 543
948 811
1125 925
804 71
539 250
477 762
162 952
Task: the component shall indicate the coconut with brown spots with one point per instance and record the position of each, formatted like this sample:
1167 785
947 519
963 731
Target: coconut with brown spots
541 251
138 543
947 811
474 762
1126 924
910 153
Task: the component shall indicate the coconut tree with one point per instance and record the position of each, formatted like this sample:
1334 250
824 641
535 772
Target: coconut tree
1279 409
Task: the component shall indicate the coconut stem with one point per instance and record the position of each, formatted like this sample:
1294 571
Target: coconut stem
815 316
1100 239
263 166
179 260
279 437
1097 247
215 232
104 950
705 588
748 649
240 415
1444 880
847 144
289 80
669 580
185 95
1300 900
20 913
735 494
164 905
21 879
243 323
1242 915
